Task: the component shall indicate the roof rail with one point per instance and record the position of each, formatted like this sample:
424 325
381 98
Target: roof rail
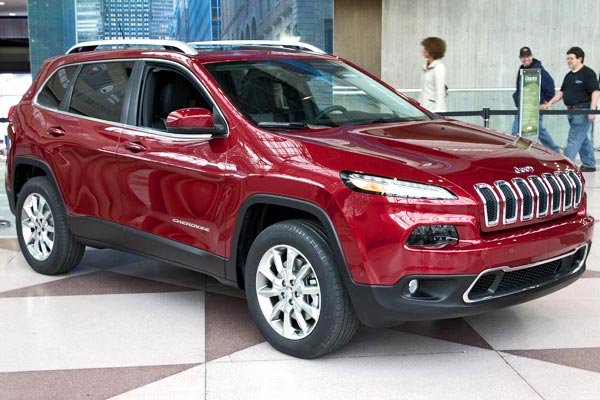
232 44
173 45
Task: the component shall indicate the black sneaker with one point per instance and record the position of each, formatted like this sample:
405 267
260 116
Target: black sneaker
585 168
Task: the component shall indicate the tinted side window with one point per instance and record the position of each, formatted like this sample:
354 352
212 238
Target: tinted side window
166 90
55 88
100 90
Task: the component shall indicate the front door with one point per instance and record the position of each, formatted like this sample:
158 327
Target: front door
173 185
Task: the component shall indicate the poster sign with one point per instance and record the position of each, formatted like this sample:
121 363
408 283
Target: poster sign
529 104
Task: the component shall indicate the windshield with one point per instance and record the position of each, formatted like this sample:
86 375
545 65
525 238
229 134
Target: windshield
304 94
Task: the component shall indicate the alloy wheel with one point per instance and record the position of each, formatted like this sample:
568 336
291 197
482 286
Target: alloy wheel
288 292
37 224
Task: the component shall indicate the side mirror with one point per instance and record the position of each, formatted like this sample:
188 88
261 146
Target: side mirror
193 121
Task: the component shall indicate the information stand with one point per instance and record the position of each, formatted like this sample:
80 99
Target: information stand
529 103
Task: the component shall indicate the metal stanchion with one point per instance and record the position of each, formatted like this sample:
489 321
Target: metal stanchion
485 114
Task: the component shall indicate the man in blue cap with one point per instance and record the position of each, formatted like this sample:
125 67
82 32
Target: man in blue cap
546 93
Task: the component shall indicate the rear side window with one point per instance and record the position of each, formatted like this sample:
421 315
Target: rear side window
100 90
55 88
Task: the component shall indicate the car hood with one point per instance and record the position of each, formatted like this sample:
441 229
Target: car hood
448 149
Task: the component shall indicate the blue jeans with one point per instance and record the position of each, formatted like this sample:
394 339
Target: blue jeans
543 134
578 140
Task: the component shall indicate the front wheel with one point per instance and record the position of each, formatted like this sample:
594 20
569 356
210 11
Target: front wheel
294 290
44 237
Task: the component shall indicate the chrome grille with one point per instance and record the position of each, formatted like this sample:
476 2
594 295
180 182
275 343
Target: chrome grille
527 199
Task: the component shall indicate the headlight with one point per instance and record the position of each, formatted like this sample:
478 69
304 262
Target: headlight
394 187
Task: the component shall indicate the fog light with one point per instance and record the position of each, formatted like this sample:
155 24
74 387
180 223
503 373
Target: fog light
413 286
432 235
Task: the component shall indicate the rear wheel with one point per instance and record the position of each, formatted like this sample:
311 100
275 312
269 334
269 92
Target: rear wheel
44 237
294 290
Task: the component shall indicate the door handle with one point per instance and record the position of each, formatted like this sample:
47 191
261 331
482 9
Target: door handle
135 147
56 131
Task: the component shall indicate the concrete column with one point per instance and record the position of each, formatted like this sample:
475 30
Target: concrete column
357 32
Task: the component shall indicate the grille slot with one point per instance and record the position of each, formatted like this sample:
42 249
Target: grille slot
578 187
491 202
523 199
509 198
555 192
568 189
504 281
542 195
527 198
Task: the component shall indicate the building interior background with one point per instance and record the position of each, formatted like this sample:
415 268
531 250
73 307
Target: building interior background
548 349
381 36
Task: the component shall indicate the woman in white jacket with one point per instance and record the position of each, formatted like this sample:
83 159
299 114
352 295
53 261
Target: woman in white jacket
433 79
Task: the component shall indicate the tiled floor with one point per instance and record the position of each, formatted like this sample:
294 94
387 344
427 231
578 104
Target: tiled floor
123 327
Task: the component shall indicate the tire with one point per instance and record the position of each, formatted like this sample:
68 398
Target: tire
301 308
44 237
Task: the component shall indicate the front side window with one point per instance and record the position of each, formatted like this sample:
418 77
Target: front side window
290 93
100 90
55 88
164 91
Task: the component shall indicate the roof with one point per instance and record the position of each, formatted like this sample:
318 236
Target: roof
191 48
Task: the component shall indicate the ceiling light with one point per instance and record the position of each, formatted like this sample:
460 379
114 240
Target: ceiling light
12 14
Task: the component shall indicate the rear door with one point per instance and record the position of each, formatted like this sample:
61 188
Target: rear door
83 108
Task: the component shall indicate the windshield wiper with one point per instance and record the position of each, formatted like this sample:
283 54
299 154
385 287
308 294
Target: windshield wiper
383 120
289 125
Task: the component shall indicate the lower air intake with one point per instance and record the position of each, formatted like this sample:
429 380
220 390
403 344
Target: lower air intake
499 282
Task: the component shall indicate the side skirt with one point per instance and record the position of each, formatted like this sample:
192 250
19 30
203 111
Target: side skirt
100 233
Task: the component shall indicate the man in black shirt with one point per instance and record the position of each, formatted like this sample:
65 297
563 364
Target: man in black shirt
579 90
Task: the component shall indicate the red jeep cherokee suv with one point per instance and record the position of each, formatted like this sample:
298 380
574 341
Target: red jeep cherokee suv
320 190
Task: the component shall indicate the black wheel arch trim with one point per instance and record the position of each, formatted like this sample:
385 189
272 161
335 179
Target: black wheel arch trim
302 205
34 162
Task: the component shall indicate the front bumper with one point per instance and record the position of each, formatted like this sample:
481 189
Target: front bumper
451 296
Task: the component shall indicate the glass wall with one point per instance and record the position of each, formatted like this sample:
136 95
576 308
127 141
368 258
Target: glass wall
12 87
56 26
309 21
